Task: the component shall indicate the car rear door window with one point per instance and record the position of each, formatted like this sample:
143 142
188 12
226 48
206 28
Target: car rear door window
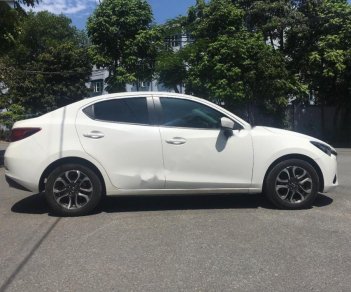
122 110
188 114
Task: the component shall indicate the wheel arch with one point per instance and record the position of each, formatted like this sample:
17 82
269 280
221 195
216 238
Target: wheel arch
302 157
67 160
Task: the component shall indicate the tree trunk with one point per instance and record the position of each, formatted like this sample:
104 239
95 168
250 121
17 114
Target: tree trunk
345 126
336 124
175 88
293 116
250 114
271 39
281 41
322 122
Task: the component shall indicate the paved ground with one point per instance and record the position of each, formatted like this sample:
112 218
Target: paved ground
200 243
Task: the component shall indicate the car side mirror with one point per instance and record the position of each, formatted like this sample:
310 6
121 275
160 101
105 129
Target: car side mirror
227 126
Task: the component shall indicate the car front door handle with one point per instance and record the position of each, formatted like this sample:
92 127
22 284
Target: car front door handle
176 141
94 135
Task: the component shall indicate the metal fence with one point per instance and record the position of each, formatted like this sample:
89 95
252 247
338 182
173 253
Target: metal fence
327 123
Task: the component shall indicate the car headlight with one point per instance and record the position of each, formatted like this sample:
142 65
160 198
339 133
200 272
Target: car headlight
325 148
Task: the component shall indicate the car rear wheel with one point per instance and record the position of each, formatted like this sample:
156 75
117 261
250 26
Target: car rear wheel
292 184
73 190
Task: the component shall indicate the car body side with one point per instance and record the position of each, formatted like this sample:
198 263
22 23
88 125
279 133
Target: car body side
58 142
270 151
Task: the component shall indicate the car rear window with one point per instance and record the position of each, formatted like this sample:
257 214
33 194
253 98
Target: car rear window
124 110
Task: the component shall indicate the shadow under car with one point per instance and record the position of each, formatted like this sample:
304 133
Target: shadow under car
35 204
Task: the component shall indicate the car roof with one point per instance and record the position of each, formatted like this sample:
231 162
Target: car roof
141 94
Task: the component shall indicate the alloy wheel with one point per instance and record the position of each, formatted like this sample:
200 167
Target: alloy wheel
293 184
72 189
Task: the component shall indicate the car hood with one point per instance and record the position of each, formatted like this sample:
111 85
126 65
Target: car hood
293 134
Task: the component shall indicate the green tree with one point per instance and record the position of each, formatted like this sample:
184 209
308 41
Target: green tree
123 41
50 64
170 63
321 55
9 19
14 113
274 18
218 17
171 69
243 70
228 62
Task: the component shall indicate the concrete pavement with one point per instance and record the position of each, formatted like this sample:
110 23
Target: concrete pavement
190 243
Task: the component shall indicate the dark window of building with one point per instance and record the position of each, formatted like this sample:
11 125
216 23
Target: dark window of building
97 86
174 41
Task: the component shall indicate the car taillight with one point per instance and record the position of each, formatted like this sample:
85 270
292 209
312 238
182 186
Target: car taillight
21 133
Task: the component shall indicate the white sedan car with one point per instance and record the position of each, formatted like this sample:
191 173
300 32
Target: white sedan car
161 143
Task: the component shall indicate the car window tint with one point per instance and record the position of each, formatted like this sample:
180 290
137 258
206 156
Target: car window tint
189 114
127 110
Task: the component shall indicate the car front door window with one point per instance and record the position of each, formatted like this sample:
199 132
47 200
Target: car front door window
183 113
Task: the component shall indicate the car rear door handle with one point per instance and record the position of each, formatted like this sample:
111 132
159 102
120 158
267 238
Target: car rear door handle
176 141
94 135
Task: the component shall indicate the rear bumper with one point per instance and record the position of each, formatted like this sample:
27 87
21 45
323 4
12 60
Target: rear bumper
14 184
19 172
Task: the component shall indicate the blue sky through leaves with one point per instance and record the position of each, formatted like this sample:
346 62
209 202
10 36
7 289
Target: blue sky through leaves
79 10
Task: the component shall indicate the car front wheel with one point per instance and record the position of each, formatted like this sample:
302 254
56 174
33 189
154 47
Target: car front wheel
73 190
292 184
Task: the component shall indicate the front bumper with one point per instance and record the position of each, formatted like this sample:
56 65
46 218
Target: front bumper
328 166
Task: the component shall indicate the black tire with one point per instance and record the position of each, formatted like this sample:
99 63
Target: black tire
73 190
288 187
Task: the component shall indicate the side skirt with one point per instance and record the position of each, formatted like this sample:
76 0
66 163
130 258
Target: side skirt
154 192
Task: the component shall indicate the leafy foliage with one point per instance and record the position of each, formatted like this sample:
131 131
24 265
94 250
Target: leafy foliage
321 53
14 113
123 41
170 63
171 69
274 18
229 62
48 66
9 20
